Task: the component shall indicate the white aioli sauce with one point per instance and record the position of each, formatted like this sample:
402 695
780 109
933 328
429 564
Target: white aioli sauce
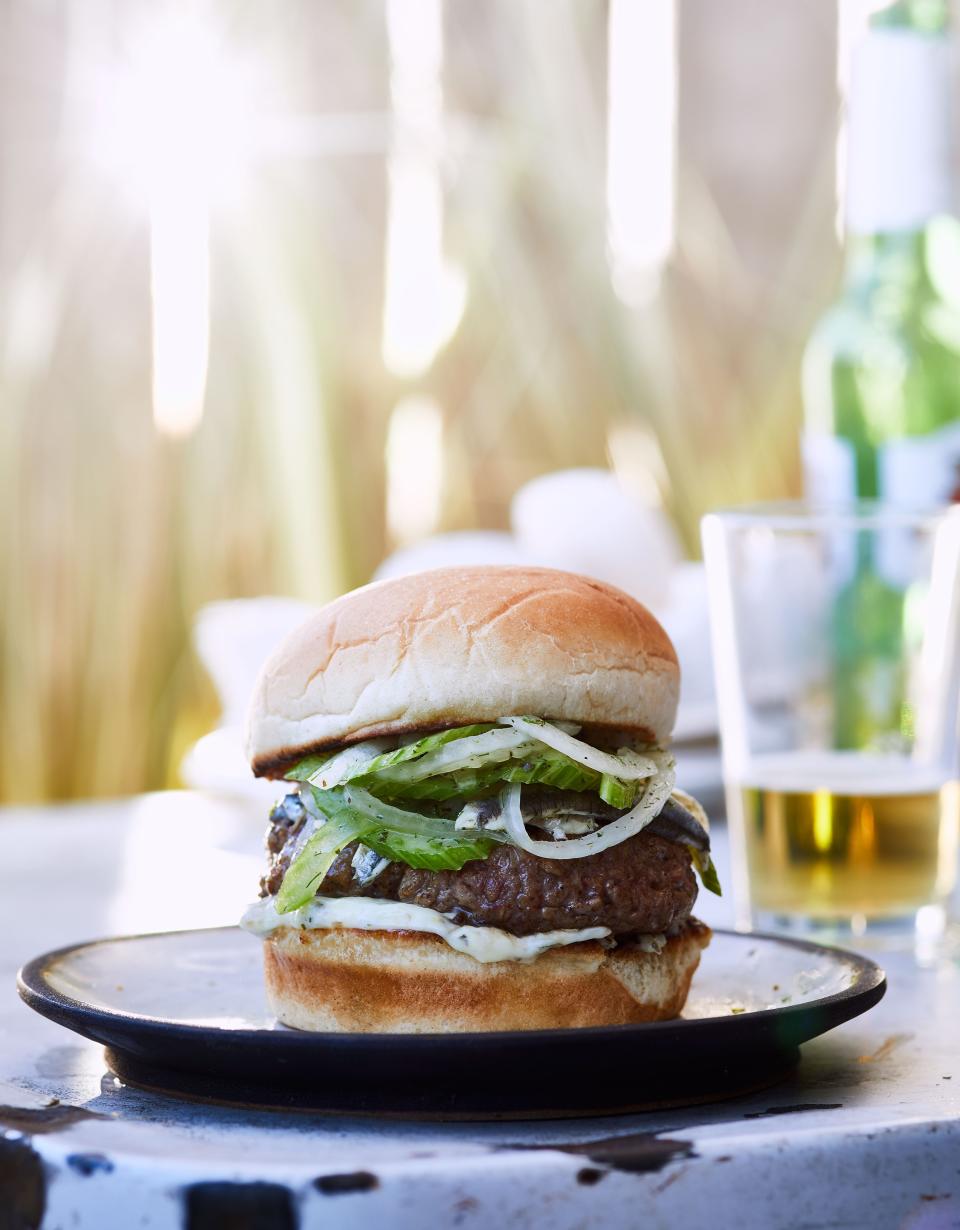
372 914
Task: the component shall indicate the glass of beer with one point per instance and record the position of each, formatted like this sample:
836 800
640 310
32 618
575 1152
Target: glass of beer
836 638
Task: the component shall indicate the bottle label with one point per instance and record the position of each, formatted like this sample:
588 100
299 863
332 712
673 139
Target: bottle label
899 149
829 469
919 471
913 472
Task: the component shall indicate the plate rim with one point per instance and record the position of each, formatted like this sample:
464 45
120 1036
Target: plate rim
867 989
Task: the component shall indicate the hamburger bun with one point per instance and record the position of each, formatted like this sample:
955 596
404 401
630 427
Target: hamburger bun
461 645
341 980
449 648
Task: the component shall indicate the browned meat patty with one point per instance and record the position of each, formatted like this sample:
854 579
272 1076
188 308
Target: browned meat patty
643 885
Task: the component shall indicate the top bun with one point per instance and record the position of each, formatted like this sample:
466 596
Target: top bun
460 645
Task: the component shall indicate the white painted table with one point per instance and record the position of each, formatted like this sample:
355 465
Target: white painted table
867 1133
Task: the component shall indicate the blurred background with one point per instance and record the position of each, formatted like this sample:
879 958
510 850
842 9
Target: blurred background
287 288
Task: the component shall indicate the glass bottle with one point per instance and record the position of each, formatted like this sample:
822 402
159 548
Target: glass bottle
881 373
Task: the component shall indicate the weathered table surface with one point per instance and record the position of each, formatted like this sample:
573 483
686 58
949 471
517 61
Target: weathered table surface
866 1133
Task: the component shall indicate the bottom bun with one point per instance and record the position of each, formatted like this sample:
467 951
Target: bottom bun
350 981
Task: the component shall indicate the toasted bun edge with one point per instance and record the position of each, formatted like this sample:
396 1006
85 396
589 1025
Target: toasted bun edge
340 980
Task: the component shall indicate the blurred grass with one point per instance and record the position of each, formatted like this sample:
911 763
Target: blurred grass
112 537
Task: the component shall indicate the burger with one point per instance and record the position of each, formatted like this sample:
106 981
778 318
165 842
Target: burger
481 829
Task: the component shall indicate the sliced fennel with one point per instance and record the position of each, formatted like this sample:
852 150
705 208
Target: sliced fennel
657 792
617 793
306 872
304 769
543 767
429 853
471 752
331 769
362 791
341 767
429 842
386 816
625 765
424 746
470 760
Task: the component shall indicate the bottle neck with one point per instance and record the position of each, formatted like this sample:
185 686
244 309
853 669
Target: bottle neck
924 16
890 257
899 147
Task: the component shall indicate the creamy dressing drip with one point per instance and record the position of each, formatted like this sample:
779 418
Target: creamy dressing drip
373 914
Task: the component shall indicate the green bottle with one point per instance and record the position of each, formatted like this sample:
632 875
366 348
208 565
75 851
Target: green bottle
881 374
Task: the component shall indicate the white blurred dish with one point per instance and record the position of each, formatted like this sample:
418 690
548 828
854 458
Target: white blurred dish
233 639
586 521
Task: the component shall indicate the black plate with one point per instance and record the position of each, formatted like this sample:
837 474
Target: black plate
184 1013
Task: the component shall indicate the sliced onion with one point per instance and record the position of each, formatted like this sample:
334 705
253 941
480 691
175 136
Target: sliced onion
398 819
471 752
346 764
628 825
626 765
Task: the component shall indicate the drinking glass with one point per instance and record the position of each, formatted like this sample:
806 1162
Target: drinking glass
836 638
